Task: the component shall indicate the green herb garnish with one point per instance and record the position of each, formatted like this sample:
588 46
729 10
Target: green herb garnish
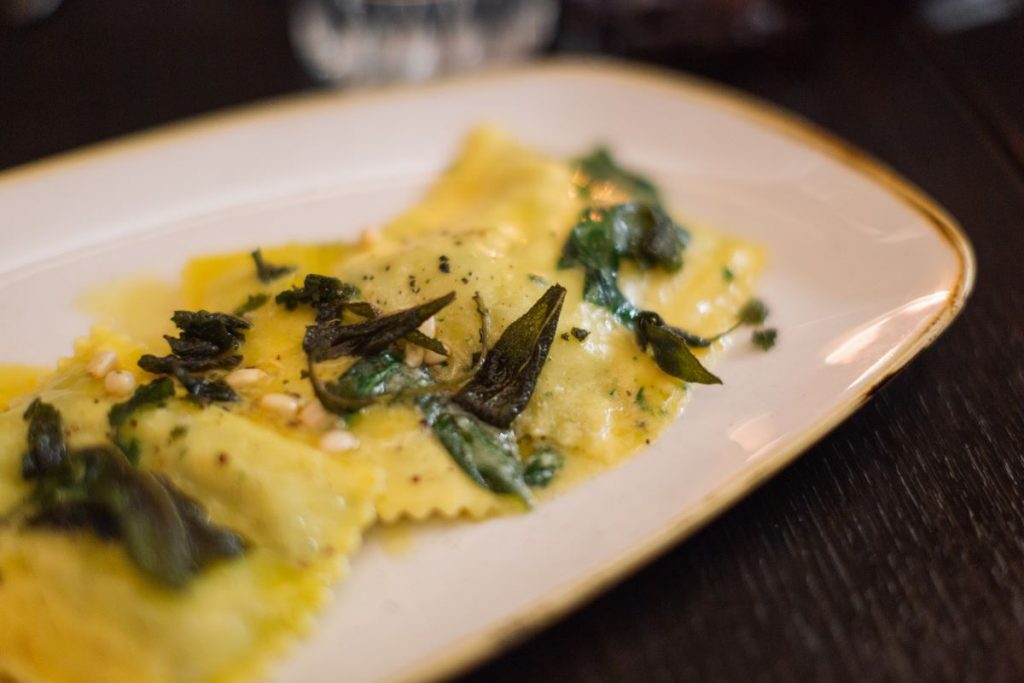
601 166
727 274
46 447
490 456
754 312
334 339
369 379
541 467
323 293
206 342
267 272
148 395
164 532
504 384
253 302
604 236
580 333
671 350
765 338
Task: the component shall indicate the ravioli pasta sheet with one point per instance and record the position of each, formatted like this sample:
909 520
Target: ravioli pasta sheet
85 613
270 456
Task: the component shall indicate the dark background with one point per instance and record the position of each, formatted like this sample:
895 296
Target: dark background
892 550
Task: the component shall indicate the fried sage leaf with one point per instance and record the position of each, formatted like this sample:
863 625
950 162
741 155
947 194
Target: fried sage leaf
671 350
490 456
335 339
321 292
267 272
251 303
47 448
206 342
165 533
204 334
504 384
148 395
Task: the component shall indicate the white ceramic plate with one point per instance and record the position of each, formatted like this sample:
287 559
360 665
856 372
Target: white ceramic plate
864 273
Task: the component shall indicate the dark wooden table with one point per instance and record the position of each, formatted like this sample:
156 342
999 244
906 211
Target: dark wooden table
894 549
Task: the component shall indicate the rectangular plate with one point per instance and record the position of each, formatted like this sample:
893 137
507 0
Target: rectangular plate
864 272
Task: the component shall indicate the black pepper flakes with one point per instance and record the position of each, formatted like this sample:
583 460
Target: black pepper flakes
580 333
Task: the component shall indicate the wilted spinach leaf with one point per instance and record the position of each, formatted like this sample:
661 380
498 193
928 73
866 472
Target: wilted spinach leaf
490 456
604 236
369 378
504 384
601 166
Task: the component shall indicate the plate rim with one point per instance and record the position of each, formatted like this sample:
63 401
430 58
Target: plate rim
514 629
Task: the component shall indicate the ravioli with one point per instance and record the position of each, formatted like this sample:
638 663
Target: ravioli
266 460
85 612
494 224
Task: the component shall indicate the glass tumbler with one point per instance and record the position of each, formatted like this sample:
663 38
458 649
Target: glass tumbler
356 42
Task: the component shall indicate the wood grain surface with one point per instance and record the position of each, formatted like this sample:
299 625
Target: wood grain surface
892 550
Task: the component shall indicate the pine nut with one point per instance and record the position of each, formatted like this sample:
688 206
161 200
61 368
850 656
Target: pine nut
119 382
245 377
101 363
282 405
338 440
413 355
314 415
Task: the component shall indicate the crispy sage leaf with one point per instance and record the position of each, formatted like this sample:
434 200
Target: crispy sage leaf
148 395
267 272
323 293
671 351
47 448
488 455
335 339
251 303
204 334
146 518
504 384
165 533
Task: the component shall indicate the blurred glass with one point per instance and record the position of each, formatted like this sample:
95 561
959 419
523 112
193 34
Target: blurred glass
375 41
643 26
